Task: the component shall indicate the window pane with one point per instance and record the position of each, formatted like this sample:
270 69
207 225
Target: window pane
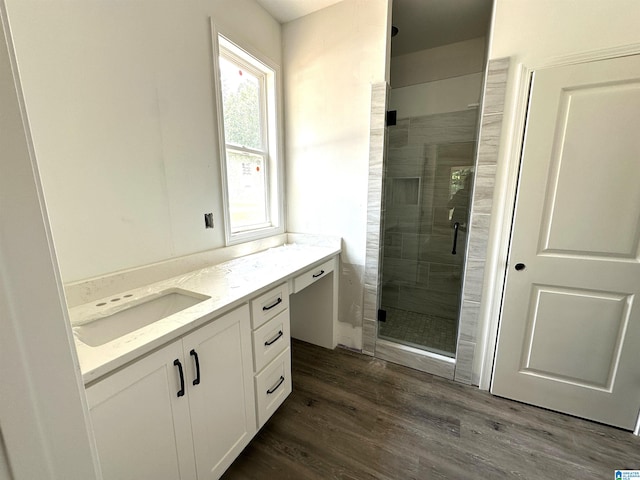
241 105
247 190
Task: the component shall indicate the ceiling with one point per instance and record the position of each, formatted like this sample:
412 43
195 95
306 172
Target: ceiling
286 10
422 23
432 23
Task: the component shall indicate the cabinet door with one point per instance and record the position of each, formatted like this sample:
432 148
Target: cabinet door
222 403
142 428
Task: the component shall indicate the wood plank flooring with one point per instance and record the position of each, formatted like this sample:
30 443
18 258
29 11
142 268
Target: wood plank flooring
354 417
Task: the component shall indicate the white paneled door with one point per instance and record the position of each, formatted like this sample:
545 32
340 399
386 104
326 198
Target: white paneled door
569 335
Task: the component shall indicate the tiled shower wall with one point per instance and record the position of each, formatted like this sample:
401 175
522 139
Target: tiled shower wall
482 199
487 158
372 271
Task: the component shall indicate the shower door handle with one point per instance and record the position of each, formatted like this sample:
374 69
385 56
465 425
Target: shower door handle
456 226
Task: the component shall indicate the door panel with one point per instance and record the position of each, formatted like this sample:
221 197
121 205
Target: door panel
591 328
592 183
222 402
570 325
142 428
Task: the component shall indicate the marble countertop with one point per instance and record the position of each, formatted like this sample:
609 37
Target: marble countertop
228 284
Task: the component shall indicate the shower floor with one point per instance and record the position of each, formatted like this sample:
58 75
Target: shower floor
426 332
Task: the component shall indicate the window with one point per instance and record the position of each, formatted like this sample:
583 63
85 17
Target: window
249 139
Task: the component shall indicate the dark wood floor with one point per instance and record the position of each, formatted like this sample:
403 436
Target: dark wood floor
354 417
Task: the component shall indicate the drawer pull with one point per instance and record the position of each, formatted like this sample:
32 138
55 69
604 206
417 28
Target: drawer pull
177 363
276 386
277 302
318 274
274 339
194 354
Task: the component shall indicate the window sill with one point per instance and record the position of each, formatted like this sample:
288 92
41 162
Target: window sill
248 236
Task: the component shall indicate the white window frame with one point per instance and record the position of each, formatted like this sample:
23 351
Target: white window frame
272 138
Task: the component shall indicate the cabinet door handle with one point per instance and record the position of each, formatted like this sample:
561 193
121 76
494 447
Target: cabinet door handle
274 339
277 302
318 274
276 386
194 354
177 363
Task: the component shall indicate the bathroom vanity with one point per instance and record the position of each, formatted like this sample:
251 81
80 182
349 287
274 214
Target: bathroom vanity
208 364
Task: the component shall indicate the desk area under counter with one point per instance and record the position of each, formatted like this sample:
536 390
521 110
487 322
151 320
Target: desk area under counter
237 337
310 303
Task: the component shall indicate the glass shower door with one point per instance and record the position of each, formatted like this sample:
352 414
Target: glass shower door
427 200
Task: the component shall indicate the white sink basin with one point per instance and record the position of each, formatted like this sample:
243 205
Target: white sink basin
137 314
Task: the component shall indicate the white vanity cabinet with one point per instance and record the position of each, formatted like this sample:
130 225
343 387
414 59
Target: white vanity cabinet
221 404
314 304
188 407
142 429
185 410
313 275
271 351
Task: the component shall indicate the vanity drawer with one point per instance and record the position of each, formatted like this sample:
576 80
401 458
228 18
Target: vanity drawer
310 276
270 340
268 305
273 385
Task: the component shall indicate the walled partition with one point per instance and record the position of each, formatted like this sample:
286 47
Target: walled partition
482 199
330 59
481 209
44 426
373 265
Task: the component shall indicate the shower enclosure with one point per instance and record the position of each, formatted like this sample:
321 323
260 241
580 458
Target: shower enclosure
427 192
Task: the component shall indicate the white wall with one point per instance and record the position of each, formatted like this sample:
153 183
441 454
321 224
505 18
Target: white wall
5 474
440 96
453 60
438 80
43 412
535 33
538 30
120 97
331 58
